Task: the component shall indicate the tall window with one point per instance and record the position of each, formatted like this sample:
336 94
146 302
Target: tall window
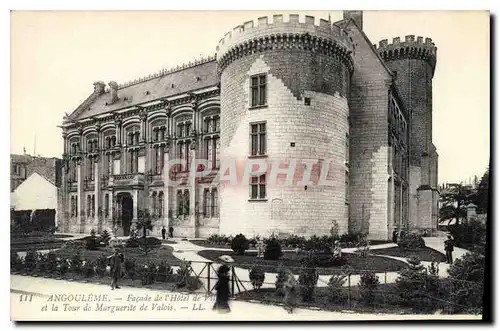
206 203
90 170
153 203
89 205
133 164
76 205
186 202
160 204
72 206
92 212
258 187
258 90
106 205
258 139
215 209
180 203
217 153
159 161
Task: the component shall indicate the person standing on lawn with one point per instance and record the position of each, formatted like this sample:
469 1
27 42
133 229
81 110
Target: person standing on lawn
222 289
115 263
291 287
448 247
163 233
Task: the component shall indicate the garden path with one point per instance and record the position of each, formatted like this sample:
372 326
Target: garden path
189 251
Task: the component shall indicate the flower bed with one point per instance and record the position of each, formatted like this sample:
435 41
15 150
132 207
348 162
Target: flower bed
93 266
292 260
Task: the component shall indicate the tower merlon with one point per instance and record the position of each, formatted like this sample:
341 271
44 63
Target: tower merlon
283 25
410 48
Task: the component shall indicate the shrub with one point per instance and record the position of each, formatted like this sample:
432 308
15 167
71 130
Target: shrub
411 285
130 268
30 260
105 237
336 293
308 278
88 269
240 244
183 273
349 238
148 241
91 243
76 244
101 264
42 263
16 262
164 272
368 284
149 272
280 281
257 276
273 249
76 263
324 260
62 267
51 262
411 241
146 275
467 235
467 279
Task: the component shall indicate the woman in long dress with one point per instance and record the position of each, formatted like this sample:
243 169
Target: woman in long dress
222 289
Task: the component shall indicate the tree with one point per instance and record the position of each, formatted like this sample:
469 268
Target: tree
481 197
454 200
145 224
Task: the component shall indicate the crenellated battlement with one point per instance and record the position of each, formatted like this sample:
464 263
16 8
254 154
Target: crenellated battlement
411 47
280 31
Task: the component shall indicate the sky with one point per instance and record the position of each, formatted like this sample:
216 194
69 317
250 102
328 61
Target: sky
57 56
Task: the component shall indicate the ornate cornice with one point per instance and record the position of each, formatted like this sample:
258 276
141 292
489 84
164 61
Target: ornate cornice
136 110
300 41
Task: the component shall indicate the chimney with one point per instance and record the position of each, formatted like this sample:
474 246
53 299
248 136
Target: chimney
113 89
99 87
356 15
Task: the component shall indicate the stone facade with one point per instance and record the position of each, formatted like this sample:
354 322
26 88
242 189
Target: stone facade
306 114
413 62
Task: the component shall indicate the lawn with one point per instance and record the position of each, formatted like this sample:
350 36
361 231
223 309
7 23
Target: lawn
160 253
291 260
424 254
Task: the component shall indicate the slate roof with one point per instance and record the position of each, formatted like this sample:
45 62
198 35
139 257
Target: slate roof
173 83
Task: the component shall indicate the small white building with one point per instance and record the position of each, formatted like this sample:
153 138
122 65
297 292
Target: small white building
36 192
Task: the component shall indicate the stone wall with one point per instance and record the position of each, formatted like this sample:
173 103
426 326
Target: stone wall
295 131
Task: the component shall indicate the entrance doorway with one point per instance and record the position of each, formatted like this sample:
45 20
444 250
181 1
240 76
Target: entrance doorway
127 211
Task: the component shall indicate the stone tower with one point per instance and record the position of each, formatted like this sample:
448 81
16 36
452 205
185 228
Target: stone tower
413 62
284 87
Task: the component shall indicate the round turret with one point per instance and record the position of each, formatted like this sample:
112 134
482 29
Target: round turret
414 63
284 87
